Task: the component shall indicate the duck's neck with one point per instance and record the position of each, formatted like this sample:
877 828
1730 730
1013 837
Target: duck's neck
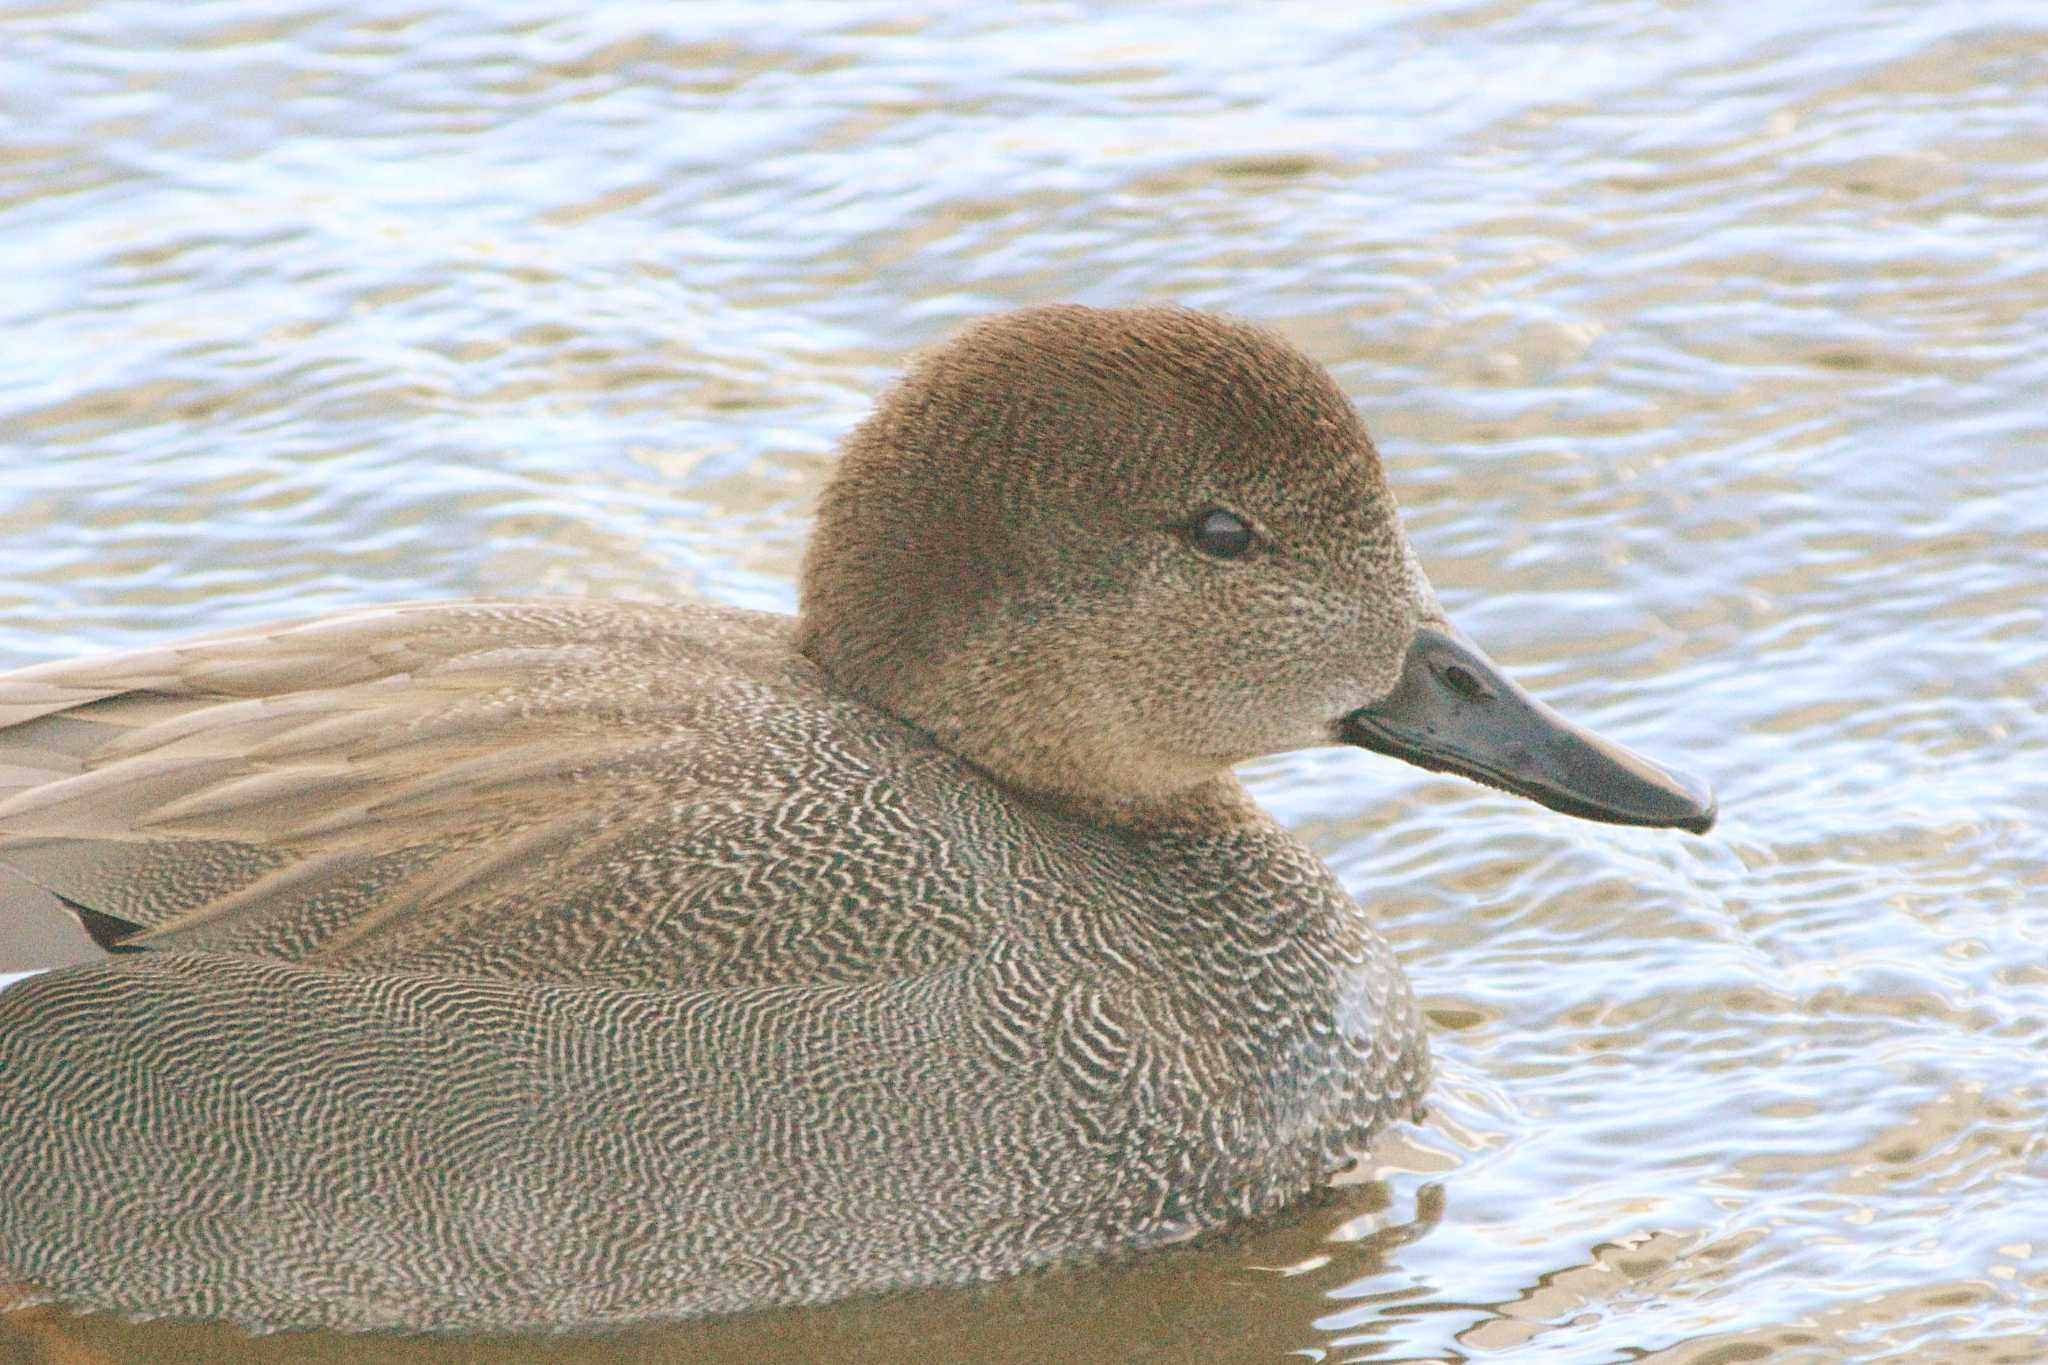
1216 806
1041 740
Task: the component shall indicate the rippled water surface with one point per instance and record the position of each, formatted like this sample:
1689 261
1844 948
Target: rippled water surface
1705 343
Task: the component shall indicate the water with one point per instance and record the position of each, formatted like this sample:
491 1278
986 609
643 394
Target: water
1705 346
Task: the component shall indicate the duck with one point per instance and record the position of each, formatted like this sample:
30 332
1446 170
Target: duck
537 964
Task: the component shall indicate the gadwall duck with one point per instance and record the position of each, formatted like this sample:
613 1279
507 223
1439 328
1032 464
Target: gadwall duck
500 965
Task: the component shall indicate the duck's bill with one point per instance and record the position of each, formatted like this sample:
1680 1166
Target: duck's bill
1454 711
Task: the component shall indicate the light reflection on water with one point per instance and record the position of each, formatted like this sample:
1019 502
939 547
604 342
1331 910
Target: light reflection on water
1704 347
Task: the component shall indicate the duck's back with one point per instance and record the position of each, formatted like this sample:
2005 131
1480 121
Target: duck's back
608 792
511 964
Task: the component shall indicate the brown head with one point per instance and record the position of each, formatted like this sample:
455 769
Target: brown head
1106 554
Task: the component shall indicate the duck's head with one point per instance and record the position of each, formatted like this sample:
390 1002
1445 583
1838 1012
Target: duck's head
1106 554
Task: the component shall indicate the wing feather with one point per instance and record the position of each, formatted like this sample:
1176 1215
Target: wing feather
303 791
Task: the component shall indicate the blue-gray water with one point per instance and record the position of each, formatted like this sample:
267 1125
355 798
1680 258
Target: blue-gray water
1708 347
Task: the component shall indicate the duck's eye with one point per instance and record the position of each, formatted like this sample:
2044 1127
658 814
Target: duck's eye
1220 533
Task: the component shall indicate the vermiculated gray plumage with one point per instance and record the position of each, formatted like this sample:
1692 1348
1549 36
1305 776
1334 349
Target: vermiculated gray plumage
806 1008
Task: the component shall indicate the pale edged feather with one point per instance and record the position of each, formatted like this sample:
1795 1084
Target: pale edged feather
310 789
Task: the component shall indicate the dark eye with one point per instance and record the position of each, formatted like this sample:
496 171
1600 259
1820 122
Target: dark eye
1220 533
